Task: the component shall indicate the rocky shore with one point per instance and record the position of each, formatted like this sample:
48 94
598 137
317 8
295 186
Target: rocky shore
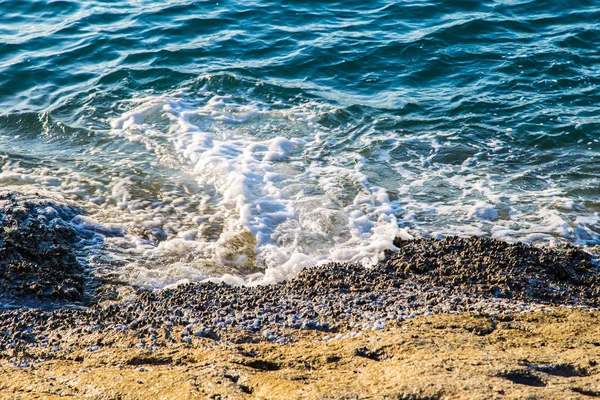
481 287
551 354
423 277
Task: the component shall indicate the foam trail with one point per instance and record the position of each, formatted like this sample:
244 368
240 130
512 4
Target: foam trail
273 207
228 180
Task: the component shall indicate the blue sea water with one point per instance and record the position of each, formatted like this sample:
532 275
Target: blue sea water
244 141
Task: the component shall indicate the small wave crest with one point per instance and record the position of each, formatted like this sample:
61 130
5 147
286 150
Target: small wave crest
232 179
267 201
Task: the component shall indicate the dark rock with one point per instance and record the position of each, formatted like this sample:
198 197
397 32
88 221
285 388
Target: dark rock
38 245
563 369
477 275
486 266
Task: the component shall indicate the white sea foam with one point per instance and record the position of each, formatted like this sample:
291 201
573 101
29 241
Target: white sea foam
483 211
272 206
200 185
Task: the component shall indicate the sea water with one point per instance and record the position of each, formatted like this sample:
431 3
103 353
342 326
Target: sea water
245 141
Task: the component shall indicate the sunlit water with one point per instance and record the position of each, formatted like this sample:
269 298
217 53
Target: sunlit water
244 141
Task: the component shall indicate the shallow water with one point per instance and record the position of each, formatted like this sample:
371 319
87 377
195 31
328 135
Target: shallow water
245 141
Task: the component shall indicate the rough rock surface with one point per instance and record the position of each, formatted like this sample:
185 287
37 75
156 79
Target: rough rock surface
38 263
487 267
423 277
539 355
180 332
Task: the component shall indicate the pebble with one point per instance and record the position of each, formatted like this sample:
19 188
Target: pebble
424 277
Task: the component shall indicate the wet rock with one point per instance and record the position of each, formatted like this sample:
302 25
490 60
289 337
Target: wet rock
424 277
486 266
38 245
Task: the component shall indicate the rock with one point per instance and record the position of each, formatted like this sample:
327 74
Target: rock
424 277
38 246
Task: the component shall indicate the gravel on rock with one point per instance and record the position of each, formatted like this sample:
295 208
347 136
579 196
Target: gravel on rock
423 276
38 245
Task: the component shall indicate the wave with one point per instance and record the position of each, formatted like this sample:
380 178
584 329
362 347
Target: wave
245 142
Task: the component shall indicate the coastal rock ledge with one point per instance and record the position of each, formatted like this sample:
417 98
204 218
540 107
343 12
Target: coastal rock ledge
450 318
39 243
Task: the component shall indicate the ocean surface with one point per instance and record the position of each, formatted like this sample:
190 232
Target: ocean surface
245 141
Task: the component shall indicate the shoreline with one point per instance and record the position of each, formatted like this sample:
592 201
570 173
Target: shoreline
463 289
423 277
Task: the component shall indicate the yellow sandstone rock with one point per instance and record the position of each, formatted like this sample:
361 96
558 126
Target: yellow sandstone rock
541 355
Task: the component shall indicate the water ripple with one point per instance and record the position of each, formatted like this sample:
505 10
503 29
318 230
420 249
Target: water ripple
443 105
